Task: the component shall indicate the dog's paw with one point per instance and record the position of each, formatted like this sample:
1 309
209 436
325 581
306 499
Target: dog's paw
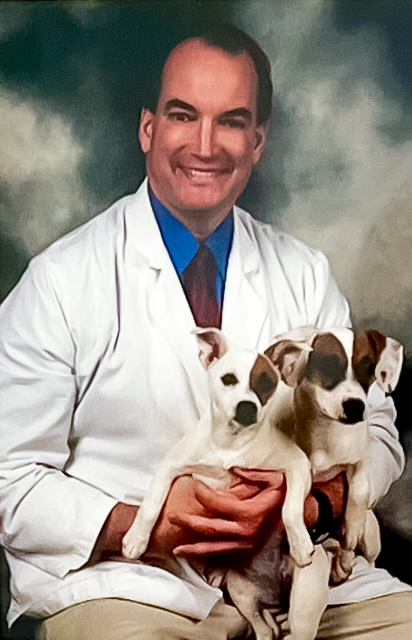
302 554
342 563
134 545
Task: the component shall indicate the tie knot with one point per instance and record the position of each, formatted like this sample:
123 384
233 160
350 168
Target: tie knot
204 254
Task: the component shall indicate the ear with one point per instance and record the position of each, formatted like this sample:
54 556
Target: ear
291 359
389 365
212 345
300 334
146 129
260 139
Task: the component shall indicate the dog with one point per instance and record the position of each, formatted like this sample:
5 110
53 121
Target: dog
237 432
331 372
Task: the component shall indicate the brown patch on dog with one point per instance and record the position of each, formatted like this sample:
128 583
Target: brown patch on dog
263 379
328 362
367 349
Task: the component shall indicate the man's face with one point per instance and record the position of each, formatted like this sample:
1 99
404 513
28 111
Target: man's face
203 139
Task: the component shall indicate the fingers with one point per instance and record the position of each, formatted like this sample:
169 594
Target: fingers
231 519
243 490
267 476
224 503
207 526
311 511
336 492
209 547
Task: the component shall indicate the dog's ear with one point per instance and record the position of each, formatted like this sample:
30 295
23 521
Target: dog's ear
377 358
212 345
389 366
300 334
290 358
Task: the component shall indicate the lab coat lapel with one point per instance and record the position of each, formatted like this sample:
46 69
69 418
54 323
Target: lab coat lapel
169 311
245 310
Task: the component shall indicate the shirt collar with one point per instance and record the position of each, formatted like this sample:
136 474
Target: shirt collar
182 245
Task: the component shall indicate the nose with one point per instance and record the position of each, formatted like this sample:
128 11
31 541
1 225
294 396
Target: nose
353 410
205 138
246 413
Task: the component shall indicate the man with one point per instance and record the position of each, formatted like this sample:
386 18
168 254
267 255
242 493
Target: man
101 377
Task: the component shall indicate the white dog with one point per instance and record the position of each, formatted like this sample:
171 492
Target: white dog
236 432
330 424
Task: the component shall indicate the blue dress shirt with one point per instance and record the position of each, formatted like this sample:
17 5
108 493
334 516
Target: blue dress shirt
182 245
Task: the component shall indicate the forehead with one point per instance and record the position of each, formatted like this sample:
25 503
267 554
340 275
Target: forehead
198 73
238 362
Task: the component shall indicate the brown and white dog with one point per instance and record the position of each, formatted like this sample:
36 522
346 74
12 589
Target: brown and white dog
331 372
236 432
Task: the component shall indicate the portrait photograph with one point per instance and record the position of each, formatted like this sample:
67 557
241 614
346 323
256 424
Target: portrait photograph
91 102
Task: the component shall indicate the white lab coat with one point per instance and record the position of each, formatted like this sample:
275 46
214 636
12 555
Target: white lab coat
100 376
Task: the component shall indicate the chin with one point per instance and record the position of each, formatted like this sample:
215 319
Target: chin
205 203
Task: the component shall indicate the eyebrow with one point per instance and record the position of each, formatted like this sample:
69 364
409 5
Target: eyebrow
179 104
240 112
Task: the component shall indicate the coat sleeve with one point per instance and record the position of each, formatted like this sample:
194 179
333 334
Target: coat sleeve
47 518
386 456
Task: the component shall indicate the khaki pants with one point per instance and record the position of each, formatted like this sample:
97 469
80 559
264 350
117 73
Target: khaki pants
385 618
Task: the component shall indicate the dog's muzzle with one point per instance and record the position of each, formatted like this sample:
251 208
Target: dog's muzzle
353 411
246 413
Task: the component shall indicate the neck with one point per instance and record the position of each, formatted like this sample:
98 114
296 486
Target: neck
200 223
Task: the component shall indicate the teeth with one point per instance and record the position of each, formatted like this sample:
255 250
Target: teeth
200 173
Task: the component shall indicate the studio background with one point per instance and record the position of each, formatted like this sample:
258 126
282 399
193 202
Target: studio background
336 172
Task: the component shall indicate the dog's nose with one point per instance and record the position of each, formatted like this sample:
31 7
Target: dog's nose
246 413
353 410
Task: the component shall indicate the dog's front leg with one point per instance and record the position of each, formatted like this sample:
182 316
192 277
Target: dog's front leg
137 537
309 596
357 505
371 543
298 482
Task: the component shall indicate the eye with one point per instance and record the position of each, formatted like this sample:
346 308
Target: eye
229 379
234 123
179 116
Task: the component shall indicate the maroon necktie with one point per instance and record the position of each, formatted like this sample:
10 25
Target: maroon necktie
199 284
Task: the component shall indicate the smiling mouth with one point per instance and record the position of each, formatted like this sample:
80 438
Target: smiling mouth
203 174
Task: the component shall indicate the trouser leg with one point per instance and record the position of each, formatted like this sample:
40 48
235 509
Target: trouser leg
385 618
115 619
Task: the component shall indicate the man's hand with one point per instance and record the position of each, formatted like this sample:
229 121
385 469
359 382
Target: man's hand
197 520
336 492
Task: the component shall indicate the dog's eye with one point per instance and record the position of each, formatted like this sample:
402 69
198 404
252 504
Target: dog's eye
229 379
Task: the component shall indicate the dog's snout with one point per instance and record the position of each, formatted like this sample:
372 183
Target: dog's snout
353 410
246 413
